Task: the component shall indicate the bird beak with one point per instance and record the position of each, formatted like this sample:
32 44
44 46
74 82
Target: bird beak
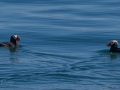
108 44
18 38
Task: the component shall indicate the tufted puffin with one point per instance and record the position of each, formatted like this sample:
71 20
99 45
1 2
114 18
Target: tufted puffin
13 42
114 46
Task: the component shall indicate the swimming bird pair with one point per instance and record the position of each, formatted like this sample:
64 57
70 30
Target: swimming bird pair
15 38
13 42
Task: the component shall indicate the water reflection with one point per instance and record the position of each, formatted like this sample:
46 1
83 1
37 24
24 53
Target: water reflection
113 56
106 53
13 49
14 59
13 53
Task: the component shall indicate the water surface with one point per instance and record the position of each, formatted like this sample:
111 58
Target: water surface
63 45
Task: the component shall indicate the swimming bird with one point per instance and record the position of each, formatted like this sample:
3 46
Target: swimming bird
113 46
13 42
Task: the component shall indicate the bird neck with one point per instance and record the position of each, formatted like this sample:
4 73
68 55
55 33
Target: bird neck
13 41
114 47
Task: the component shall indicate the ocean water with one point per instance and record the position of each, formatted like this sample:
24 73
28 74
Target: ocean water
63 45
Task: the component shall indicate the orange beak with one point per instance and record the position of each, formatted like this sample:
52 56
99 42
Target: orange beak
18 38
108 44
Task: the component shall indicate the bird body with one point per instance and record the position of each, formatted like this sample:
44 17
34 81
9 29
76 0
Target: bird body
13 42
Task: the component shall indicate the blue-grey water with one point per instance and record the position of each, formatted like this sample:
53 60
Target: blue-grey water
63 45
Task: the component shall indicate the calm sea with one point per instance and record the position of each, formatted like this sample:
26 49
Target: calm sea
63 45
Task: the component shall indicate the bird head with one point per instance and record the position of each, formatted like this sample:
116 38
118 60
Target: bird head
112 42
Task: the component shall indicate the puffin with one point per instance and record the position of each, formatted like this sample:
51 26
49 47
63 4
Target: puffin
13 41
113 46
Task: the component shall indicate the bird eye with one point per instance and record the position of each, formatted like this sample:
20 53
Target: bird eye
112 43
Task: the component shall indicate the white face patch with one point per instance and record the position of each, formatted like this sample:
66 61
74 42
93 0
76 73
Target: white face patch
114 42
14 36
